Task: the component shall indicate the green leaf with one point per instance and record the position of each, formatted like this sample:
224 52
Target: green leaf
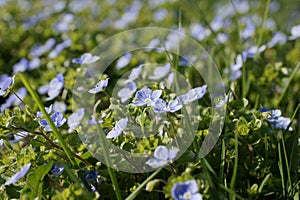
34 181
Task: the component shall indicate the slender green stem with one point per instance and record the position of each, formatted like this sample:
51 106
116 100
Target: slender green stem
286 163
206 164
139 189
235 167
231 192
263 183
108 163
281 170
287 85
263 22
55 131
222 163
19 98
294 115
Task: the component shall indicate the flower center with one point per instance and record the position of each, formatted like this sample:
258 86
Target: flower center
187 195
147 100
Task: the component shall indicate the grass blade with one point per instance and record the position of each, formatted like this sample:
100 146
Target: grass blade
287 85
139 189
55 131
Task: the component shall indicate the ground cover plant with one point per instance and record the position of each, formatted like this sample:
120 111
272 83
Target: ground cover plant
161 99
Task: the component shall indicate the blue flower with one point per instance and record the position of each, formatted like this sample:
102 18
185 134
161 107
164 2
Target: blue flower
19 136
55 87
238 63
86 58
193 94
57 169
152 44
93 121
18 175
63 24
58 48
160 14
170 79
43 89
91 177
118 129
161 106
241 6
57 118
127 92
59 107
24 65
48 110
99 86
234 75
13 100
217 23
276 120
235 71
173 39
252 51
74 119
34 63
135 72
146 96
221 38
187 60
130 14
123 61
199 32
295 31
248 31
21 66
187 190
162 156
6 85
39 50
278 38
222 101
160 72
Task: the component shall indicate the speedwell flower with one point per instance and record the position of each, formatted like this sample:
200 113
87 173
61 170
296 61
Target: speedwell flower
55 87
161 106
57 118
222 101
123 61
162 156
160 72
57 169
6 85
86 58
276 120
99 86
118 129
75 119
18 175
187 190
295 31
146 96
193 94
127 92
135 72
